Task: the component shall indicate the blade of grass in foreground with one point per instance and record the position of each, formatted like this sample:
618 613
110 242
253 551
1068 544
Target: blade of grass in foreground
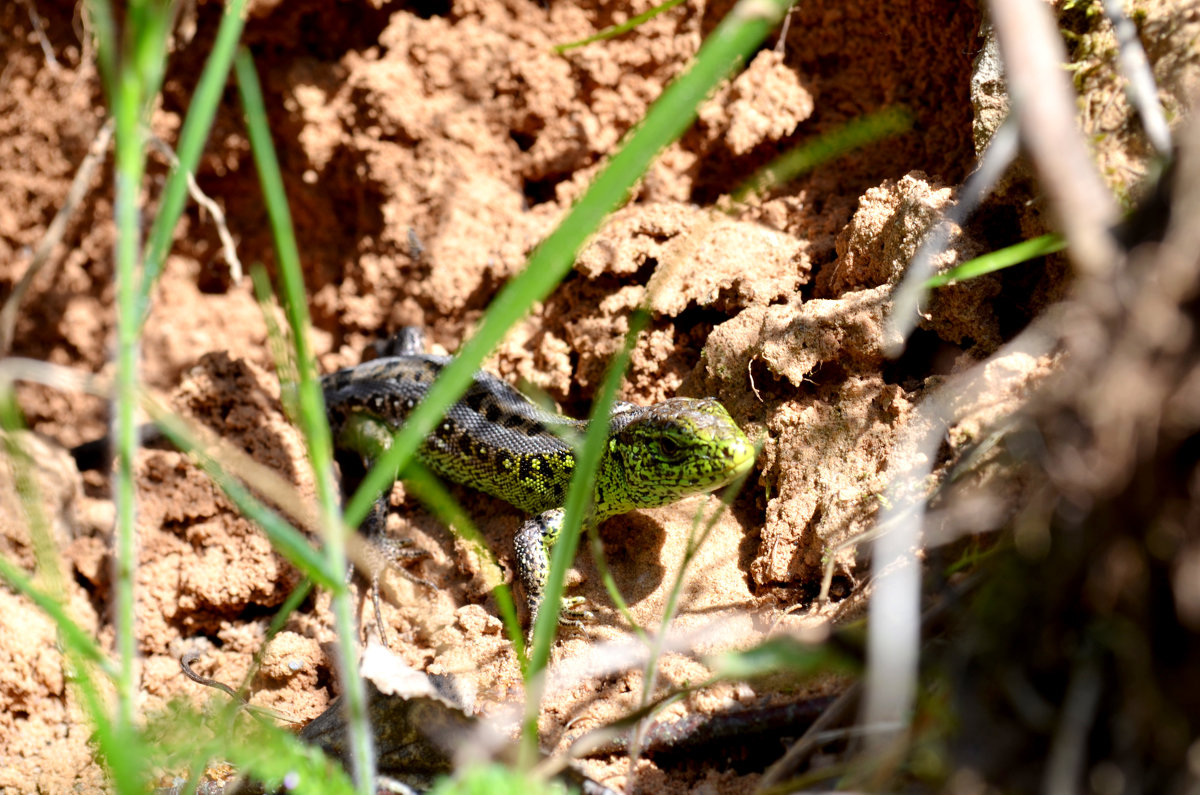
313 423
192 136
180 737
729 45
285 538
696 540
132 78
617 30
579 496
852 135
285 366
438 499
577 508
1000 259
52 601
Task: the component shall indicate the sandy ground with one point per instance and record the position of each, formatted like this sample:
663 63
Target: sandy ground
425 154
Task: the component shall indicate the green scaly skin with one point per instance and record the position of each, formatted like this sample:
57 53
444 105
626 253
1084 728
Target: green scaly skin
497 441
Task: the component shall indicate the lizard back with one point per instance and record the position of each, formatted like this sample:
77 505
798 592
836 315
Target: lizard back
493 439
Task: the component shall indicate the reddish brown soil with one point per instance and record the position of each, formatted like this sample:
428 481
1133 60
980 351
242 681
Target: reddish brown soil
426 150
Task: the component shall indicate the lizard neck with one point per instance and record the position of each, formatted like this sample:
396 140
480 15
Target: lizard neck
611 493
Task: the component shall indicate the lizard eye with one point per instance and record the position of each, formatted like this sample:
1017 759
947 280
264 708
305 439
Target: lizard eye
669 447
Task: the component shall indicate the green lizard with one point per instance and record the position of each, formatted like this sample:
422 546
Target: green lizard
495 440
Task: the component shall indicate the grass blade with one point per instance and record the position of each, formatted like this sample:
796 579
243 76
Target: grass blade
436 497
312 419
617 30
730 44
192 137
998 260
289 541
132 77
852 135
578 507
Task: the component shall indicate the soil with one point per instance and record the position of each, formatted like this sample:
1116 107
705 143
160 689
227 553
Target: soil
426 149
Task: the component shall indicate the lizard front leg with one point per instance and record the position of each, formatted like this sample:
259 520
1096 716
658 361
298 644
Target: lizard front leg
533 543
382 550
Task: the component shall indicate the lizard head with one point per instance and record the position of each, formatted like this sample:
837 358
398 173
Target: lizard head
659 454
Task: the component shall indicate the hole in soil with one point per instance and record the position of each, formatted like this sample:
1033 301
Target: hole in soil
253 611
840 587
540 191
523 140
1025 288
426 9
825 374
926 354
766 384
699 321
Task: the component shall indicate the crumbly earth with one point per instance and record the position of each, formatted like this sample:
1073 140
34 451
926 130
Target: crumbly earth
425 153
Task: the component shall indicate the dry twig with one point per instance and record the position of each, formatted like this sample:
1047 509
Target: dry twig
1044 103
1142 91
40 32
228 247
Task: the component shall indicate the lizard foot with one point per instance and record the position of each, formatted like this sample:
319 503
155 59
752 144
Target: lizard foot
389 553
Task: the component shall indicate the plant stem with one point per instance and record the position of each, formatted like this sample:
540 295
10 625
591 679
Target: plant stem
312 419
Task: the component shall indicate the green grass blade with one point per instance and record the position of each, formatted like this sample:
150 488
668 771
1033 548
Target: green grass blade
147 27
138 71
289 606
105 27
311 402
780 654
579 498
47 560
998 260
83 655
78 642
192 137
852 135
695 542
129 170
180 737
596 545
491 778
285 365
577 508
617 30
313 423
730 44
132 63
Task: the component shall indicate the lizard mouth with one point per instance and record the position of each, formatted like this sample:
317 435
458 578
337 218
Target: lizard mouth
745 464
741 457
